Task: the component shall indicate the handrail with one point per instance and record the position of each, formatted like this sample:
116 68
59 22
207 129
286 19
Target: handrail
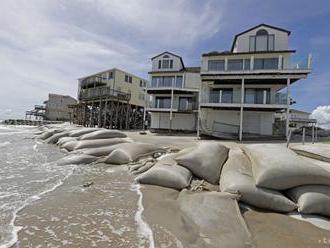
104 91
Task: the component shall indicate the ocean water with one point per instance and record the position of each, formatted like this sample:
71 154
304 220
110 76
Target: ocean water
45 205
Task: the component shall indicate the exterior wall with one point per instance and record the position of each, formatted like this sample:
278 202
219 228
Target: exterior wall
254 122
179 121
134 87
192 80
177 64
117 82
281 39
57 107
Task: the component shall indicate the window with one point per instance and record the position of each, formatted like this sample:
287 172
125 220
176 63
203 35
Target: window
163 102
262 41
142 83
179 82
221 96
165 63
257 96
162 81
185 103
266 64
110 75
128 79
247 64
216 65
167 81
235 64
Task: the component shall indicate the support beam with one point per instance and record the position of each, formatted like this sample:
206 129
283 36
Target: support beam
313 133
288 108
241 111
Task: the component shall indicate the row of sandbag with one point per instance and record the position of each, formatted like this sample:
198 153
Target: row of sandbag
87 145
265 176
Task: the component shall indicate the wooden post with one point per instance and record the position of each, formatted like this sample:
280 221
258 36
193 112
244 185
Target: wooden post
105 114
303 136
288 108
313 133
99 123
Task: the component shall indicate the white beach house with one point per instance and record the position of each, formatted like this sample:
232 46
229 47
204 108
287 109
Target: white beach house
244 87
173 93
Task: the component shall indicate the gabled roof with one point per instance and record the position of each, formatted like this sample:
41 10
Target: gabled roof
216 53
171 54
258 26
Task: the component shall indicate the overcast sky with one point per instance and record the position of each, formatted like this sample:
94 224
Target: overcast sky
46 45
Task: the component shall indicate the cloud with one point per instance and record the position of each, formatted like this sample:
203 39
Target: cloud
322 114
46 45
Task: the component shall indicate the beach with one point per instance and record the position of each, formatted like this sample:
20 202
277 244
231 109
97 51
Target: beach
100 205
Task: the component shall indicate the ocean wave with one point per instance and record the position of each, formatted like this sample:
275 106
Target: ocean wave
15 229
144 230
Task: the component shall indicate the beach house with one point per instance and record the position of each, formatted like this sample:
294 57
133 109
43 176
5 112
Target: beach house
244 87
173 90
113 98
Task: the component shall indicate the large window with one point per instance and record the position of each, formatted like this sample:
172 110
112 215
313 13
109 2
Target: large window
166 81
216 65
257 96
266 64
163 102
262 41
235 64
221 96
165 63
128 78
185 103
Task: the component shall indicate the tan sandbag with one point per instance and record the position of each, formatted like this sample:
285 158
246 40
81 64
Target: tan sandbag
48 133
100 142
54 138
166 173
63 140
103 134
99 151
205 161
80 132
316 151
77 159
312 199
130 152
217 218
276 167
70 145
236 177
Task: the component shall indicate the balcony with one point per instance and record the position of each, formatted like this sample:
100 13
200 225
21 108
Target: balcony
92 82
233 100
103 92
254 64
178 106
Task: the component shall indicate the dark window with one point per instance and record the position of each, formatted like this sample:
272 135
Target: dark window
171 63
266 64
159 64
216 65
262 41
221 96
257 96
128 78
235 64
247 64
163 102
185 103
179 82
110 75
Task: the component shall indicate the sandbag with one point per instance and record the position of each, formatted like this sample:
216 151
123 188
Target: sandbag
98 151
70 145
166 173
63 140
77 159
130 152
49 133
315 151
82 131
81 144
312 199
276 167
236 177
103 134
217 218
205 161
54 138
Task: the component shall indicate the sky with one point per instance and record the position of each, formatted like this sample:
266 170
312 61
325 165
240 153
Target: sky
45 45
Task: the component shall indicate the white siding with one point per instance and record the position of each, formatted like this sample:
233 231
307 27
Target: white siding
179 121
192 80
281 39
177 65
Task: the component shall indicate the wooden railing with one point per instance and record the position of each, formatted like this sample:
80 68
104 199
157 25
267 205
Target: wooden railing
99 92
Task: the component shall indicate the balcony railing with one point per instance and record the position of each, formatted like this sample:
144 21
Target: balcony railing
256 64
182 106
214 97
93 81
92 93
